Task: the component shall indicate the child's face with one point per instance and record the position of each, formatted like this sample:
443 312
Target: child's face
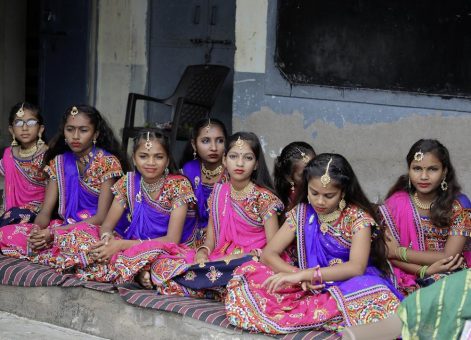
323 200
26 129
151 163
210 144
426 175
240 162
79 134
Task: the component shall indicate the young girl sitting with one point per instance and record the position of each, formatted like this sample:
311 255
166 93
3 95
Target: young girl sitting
341 276
81 172
242 218
21 165
206 168
428 218
288 171
158 201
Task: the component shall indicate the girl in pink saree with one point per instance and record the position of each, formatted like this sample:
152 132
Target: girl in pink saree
428 219
22 166
81 173
243 216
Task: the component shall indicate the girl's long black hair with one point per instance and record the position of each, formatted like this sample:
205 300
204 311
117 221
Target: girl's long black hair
441 211
283 168
106 138
343 176
260 176
202 123
155 135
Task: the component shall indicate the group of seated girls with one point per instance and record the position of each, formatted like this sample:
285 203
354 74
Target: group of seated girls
310 252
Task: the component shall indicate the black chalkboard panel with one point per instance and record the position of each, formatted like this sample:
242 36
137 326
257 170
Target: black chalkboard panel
417 46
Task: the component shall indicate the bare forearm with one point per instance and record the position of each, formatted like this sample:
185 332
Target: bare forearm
276 263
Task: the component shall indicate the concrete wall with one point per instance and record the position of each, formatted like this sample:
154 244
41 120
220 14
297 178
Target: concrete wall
12 57
121 56
373 129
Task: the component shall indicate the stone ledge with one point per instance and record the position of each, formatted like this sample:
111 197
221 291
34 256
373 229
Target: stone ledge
107 315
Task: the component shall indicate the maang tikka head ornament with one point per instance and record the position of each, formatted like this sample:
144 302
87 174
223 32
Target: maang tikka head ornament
21 112
239 143
148 144
325 178
304 157
209 125
74 111
418 156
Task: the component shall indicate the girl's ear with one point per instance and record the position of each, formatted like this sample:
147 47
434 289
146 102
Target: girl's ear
41 129
10 129
95 135
224 163
193 145
256 166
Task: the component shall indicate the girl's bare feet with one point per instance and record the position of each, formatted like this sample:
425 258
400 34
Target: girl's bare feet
143 278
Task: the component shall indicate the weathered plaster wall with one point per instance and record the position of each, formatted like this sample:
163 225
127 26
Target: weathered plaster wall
373 129
12 68
121 56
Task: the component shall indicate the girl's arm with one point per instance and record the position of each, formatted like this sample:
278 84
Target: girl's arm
104 202
271 227
272 251
113 216
50 200
454 245
202 253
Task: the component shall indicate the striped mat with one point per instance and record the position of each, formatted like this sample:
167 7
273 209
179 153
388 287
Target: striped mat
204 310
17 272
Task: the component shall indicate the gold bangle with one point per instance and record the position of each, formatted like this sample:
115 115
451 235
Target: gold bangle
203 247
423 271
106 233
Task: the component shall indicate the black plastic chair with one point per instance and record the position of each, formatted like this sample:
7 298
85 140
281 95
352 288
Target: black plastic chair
191 101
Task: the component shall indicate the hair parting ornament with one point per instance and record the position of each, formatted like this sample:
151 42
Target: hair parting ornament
418 156
209 125
74 111
325 178
20 113
148 144
304 157
239 143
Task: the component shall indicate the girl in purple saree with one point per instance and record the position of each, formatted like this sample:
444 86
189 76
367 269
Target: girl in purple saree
81 173
22 166
427 218
341 279
206 168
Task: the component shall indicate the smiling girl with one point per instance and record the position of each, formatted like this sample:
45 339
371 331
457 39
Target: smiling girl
428 218
82 167
242 218
22 165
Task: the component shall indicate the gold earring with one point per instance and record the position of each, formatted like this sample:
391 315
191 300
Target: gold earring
444 185
342 204
292 185
14 142
94 141
40 142
194 154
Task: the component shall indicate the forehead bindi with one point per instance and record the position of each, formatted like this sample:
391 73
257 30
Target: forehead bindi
80 120
429 160
316 185
156 148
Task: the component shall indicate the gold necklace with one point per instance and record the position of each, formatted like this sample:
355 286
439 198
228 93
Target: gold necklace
87 158
327 219
153 187
241 194
25 153
211 173
419 204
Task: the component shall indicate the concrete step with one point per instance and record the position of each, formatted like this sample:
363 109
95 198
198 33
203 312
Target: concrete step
106 315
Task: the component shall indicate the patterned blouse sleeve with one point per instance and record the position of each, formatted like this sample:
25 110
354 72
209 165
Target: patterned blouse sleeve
111 168
460 221
50 169
291 220
360 219
269 205
182 192
119 190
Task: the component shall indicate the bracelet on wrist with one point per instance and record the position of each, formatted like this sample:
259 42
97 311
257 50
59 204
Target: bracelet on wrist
403 254
423 271
105 234
316 276
203 247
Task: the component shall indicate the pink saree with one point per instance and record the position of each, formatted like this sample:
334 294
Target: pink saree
404 222
22 190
